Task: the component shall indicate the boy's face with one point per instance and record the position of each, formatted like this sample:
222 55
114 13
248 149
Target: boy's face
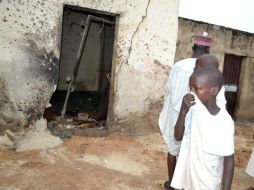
200 86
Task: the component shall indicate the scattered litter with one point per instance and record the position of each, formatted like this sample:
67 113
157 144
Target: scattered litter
62 137
68 79
85 126
70 126
69 120
97 123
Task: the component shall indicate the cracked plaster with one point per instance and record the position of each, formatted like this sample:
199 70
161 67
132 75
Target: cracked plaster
144 49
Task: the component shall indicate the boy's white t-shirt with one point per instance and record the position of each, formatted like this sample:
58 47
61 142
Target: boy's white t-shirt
207 139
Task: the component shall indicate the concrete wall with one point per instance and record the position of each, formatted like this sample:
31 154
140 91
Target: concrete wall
30 34
224 40
245 108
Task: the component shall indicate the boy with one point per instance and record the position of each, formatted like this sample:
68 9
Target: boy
206 158
177 87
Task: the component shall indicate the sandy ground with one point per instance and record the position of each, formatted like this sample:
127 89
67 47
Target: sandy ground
96 163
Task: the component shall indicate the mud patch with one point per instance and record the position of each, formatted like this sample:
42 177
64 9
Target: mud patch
154 142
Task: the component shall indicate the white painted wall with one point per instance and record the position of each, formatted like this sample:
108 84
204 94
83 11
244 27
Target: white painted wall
144 48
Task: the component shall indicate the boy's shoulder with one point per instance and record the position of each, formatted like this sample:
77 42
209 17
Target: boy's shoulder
224 114
225 119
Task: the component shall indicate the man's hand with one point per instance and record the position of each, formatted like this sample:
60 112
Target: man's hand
188 101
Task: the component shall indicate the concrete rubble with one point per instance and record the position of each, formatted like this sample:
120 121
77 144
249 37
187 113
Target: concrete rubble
35 137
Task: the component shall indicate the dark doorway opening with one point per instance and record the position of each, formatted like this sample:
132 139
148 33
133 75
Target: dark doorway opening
231 73
90 92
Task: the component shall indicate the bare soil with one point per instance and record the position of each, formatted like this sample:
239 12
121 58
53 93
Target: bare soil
110 163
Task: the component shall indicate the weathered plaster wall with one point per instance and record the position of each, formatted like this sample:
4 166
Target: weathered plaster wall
245 107
30 39
224 40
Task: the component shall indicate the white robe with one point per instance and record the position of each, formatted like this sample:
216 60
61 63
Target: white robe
250 166
207 139
177 87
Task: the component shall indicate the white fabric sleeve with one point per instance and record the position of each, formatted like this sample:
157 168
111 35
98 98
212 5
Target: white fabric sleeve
179 86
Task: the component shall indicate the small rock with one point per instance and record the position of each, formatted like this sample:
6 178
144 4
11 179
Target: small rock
83 116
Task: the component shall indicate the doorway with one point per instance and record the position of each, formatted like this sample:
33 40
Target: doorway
90 89
231 73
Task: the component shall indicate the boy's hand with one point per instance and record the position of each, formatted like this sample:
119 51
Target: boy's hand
188 101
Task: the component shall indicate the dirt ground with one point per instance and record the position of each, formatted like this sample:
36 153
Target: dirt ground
110 163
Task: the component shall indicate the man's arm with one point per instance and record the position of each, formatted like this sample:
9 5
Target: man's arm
179 128
228 172
188 101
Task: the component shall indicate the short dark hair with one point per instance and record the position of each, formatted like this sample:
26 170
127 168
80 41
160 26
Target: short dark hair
200 48
215 77
208 60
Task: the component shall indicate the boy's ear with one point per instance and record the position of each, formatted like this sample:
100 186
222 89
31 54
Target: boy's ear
214 90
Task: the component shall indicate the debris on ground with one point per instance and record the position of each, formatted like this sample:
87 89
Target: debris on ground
81 125
83 116
35 137
7 141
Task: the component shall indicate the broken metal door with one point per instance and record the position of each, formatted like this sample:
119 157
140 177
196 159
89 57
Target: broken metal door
231 74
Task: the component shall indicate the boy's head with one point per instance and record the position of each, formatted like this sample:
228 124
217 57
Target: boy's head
206 60
206 83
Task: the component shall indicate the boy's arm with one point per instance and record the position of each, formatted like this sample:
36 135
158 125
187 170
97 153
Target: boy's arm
228 172
188 101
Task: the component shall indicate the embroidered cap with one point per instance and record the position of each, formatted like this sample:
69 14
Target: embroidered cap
203 39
